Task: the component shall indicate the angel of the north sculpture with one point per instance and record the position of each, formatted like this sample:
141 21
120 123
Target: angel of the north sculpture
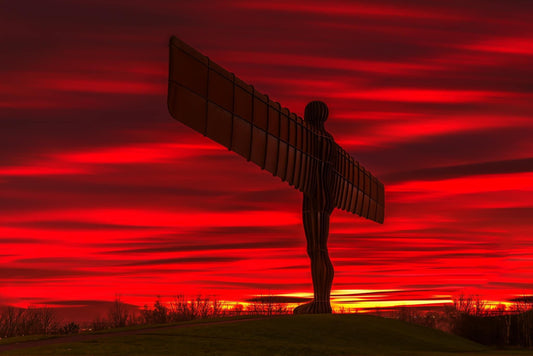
214 102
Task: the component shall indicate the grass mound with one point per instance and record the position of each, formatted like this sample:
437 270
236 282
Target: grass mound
288 335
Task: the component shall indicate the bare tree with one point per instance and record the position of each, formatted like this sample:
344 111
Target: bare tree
463 304
47 320
29 321
203 306
180 309
217 308
11 318
118 314
480 306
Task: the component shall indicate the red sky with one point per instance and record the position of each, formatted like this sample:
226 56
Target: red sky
102 192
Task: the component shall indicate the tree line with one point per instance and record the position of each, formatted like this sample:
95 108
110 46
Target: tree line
467 316
472 318
32 321
182 309
42 320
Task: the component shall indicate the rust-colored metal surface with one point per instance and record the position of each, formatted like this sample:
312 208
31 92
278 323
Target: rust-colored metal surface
216 103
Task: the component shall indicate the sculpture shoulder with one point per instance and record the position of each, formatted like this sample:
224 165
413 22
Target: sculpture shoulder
323 134
329 138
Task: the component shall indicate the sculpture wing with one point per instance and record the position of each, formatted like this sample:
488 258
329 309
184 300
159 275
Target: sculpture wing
356 190
216 103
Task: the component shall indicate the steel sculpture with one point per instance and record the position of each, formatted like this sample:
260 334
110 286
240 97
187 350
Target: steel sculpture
216 103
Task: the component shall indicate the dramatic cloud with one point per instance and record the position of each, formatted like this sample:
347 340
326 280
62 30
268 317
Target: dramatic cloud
102 192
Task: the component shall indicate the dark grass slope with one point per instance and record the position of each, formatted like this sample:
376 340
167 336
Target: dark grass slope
288 335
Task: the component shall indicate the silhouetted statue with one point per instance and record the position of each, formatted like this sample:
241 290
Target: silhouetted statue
318 204
216 103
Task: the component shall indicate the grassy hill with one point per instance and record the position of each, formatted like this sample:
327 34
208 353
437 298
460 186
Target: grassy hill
288 335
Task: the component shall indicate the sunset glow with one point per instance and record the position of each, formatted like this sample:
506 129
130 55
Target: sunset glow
103 193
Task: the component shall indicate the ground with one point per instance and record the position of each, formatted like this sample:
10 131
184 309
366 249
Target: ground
286 335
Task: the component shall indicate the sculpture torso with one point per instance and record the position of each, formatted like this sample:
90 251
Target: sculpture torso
320 195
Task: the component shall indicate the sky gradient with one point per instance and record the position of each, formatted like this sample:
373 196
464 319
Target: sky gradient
103 193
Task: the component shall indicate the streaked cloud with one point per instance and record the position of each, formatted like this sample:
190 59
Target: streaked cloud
347 9
512 45
102 192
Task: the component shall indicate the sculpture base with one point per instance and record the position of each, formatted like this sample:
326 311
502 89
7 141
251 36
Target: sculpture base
313 308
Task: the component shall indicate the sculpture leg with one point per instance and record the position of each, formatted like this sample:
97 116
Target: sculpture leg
316 226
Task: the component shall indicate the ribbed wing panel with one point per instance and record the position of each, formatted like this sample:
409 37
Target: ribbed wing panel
214 102
356 190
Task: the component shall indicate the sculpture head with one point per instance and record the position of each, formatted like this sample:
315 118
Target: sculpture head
316 113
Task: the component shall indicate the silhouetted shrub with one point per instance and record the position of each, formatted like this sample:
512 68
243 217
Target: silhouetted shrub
100 324
70 328
159 313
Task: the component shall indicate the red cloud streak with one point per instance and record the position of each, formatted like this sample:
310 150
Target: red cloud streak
102 192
